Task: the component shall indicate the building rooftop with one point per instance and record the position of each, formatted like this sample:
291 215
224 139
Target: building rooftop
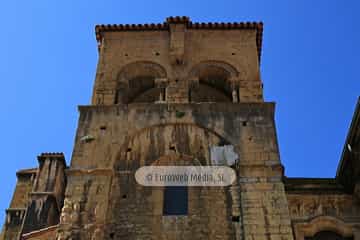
349 166
258 26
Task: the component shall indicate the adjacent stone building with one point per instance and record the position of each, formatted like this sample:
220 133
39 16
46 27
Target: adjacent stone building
167 94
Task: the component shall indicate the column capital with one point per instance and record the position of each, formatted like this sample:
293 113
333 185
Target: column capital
161 82
194 83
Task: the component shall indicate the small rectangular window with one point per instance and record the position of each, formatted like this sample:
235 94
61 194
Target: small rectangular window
175 200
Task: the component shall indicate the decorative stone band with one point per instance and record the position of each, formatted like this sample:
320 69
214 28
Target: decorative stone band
38 233
95 171
310 228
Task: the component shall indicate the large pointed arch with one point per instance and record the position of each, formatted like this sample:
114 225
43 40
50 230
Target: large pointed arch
145 146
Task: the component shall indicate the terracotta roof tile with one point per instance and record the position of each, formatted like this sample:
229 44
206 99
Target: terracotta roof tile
100 29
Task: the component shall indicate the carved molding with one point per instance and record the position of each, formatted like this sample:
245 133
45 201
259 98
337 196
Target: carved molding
308 207
322 223
92 172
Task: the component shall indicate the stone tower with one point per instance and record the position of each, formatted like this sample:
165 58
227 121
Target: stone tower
165 93
175 94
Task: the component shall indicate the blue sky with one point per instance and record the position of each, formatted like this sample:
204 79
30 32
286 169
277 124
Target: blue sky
310 63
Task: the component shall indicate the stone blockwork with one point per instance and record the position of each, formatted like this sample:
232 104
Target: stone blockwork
38 198
126 137
47 196
175 94
322 205
223 56
177 89
16 212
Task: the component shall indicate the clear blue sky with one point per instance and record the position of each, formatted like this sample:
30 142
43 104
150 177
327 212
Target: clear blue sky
310 66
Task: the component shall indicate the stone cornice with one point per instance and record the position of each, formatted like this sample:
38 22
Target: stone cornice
258 26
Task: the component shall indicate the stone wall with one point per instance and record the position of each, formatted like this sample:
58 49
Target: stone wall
317 205
234 48
112 142
179 90
15 214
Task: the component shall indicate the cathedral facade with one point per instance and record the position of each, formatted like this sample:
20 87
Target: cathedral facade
172 94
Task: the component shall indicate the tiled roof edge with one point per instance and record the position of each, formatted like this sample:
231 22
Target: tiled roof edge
99 29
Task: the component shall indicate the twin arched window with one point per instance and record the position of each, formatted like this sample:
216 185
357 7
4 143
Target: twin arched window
137 82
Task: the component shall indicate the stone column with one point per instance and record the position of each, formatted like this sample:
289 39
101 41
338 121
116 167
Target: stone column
235 89
120 93
234 93
193 87
177 91
161 84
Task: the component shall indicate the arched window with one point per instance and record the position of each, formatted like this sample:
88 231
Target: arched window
328 235
214 82
175 200
136 82
142 89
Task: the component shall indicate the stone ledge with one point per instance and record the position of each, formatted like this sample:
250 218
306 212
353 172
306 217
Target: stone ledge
312 185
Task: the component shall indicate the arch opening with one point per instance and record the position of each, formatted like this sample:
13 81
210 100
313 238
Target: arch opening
214 82
328 235
146 146
136 82
324 227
